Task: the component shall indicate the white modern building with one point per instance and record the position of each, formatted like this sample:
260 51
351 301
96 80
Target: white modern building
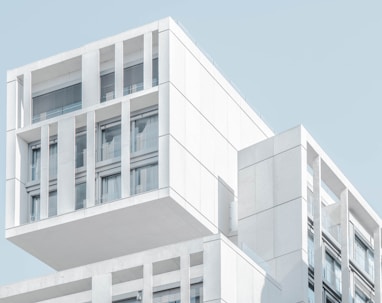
140 174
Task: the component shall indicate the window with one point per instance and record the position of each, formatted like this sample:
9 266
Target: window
330 299
144 178
57 102
110 188
133 79
80 195
81 149
332 272
360 297
52 208
311 293
155 72
310 203
110 141
35 167
364 257
196 293
310 250
167 296
107 86
53 160
144 134
34 208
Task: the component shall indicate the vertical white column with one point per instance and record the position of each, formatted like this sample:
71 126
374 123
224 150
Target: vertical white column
148 60
11 105
212 272
66 165
377 265
102 288
27 98
119 69
90 79
44 176
90 158
317 225
345 270
185 279
147 283
125 148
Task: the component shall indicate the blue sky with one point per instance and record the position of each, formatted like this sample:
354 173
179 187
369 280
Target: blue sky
316 63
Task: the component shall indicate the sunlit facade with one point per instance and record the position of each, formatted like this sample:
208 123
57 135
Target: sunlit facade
138 172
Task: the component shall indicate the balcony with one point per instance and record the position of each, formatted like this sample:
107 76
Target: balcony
56 103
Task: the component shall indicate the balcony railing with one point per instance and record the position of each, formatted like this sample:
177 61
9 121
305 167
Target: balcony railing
57 112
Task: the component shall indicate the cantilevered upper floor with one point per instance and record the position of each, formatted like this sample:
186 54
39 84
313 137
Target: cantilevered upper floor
122 145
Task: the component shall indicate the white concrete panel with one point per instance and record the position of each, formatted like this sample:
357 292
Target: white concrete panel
220 113
11 105
118 69
90 79
125 148
288 227
221 157
212 286
208 195
207 106
257 232
147 283
208 145
102 288
233 117
256 153
185 278
11 154
247 192
177 115
258 289
147 60
22 160
164 56
292 273
66 165
192 180
164 109
192 83
27 98
10 203
287 140
287 176
91 158
264 192
250 133
177 62
228 274
177 167
245 286
44 176
232 168
193 130
163 161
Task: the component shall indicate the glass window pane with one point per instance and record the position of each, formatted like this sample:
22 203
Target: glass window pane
133 79
144 135
57 102
111 142
81 150
52 211
80 195
53 160
155 72
36 164
107 87
34 209
110 188
144 178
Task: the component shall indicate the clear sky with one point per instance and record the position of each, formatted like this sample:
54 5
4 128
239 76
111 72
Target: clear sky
316 63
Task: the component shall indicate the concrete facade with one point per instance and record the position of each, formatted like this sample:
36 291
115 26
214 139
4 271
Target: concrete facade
138 172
